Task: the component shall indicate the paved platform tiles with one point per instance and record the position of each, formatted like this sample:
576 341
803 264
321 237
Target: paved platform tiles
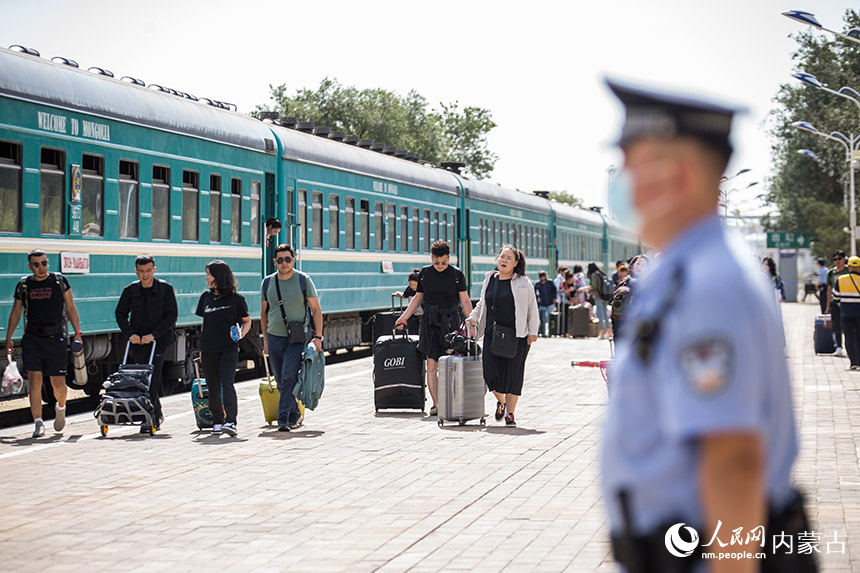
358 491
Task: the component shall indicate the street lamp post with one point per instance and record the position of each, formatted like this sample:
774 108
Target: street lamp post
809 19
850 144
725 195
843 92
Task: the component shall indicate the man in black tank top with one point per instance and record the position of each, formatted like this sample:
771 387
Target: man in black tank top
45 299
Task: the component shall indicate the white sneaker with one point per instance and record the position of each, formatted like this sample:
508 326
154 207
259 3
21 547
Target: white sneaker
839 351
60 418
216 430
230 429
40 429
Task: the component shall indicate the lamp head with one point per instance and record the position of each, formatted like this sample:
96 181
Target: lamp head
808 153
805 126
850 92
807 18
808 79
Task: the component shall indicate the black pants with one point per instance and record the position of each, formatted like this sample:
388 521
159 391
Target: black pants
851 326
822 298
220 371
139 354
836 319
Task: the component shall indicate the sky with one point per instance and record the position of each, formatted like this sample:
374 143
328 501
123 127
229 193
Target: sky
537 66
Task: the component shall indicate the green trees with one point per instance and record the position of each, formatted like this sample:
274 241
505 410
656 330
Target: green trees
450 133
810 193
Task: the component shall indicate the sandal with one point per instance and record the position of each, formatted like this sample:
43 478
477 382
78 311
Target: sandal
500 411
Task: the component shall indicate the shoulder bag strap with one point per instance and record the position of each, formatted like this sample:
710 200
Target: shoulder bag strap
281 303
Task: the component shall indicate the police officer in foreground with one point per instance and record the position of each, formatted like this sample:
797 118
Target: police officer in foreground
700 431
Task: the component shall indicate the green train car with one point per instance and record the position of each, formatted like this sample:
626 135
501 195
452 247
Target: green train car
95 170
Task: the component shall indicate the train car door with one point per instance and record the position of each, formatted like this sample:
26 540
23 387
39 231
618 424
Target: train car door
270 209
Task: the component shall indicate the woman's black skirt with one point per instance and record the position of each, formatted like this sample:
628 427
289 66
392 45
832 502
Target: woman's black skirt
504 375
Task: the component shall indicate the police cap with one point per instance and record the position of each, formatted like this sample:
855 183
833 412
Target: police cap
664 114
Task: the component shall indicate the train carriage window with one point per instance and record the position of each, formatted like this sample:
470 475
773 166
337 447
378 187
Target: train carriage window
349 225
436 235
481 250
92 195
404 229
317 219
378 223
255 212
160 202
235 211
303 218
365 224
129 201
416 230
521 239
190 204
53 196
452 235
333 221
427 241
10 187
492 242
445 227
392 227
214 209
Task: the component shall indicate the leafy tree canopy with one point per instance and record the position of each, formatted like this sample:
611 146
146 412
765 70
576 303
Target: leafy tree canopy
810 193
563 197
447 134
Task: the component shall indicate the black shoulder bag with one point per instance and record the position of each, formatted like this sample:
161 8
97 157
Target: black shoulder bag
504 343
296 332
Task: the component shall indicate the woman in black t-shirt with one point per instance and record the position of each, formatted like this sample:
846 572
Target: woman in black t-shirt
222 307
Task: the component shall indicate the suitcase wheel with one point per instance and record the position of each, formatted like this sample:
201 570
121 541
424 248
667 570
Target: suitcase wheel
440 422
483 421
103 430
151 430
462 422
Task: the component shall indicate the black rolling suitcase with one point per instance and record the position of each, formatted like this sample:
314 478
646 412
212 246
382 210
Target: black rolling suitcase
579 321
823 335
398 373
383 322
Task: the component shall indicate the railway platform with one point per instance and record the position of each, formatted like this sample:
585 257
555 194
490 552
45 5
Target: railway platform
353 490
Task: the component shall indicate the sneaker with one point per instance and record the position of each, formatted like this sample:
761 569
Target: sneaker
839 351
230 429
216 430
283 428
158 422
144 430
40 429
510 422
60 419
500 411
434 411
855 367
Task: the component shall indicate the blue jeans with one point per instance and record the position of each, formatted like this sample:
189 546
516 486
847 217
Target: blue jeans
543 312
286 362
601 313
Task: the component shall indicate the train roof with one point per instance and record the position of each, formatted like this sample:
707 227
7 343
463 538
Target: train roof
567 212
316 150
35 79
484 191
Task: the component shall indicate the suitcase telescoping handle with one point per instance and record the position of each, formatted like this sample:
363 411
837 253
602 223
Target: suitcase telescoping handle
196 361
151 352
398 298
268 376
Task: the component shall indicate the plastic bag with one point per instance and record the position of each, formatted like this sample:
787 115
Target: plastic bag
12 382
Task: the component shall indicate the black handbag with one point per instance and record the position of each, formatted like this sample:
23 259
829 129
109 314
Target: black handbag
504 343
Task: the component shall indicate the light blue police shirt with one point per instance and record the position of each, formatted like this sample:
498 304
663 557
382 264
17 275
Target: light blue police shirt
717 364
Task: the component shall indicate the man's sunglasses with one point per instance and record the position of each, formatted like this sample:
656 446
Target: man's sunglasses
284 260
838 258
40 263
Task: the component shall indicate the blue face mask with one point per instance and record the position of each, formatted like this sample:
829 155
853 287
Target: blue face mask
620 199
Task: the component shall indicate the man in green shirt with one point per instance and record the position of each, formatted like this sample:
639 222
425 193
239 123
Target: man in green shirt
281 342
833 275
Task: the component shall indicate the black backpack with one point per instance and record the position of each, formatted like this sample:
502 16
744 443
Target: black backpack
606 289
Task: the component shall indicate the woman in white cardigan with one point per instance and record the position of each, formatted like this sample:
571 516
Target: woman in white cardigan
507 300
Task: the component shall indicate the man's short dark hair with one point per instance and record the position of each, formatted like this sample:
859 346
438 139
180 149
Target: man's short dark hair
284 247
839 253
541 274
35 253
440 249
143 260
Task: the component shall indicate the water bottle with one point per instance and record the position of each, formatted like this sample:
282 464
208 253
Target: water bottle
79 363
234 332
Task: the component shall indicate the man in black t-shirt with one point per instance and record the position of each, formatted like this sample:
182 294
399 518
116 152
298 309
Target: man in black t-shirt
441 293
152 305
45 299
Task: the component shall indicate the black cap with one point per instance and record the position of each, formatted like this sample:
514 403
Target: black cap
656 113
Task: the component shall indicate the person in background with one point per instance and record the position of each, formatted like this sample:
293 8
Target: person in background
619 299
821 284
546 299
410 290
616 276
595 278
579 286
222 308
769 266
832 309
441 293
846 291
45 299
507 299
151 303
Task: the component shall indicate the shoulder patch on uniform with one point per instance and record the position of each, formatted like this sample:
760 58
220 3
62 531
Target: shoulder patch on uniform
706 364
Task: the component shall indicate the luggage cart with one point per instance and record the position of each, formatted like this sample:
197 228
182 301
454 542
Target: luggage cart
126 398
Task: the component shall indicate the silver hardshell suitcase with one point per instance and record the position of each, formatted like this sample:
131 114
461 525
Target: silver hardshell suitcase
461 390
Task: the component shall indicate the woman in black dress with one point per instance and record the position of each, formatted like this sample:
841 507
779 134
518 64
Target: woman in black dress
508 301
222 307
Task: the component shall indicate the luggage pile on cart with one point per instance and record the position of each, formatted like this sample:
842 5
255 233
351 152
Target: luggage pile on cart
126 399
